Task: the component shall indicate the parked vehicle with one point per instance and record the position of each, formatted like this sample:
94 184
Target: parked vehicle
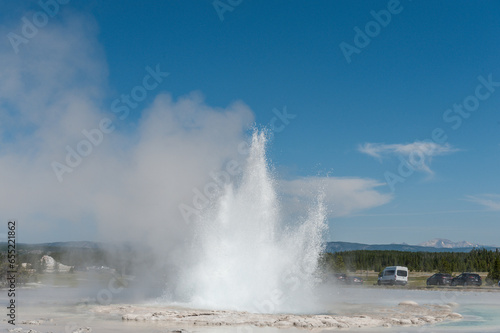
345 279
439 279
467 279
354 280
340 277
394 275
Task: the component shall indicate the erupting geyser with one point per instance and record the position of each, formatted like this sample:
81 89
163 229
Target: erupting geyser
247 257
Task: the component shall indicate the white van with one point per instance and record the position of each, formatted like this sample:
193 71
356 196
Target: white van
394 275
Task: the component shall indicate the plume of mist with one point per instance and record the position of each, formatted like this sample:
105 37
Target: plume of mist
130 188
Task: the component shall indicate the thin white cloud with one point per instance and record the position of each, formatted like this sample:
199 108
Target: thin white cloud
343 196
490 201
419 153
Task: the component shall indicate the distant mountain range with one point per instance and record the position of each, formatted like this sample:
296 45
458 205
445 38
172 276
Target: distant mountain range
435 245
58 246
448 244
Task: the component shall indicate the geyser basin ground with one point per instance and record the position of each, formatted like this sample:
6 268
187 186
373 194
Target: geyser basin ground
405 314
63 309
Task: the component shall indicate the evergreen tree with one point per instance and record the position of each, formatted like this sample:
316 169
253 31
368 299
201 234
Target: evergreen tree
494 273
339 265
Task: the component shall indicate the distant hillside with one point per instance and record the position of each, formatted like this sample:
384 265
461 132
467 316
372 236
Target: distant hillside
81 245
441 245
56 246
333 247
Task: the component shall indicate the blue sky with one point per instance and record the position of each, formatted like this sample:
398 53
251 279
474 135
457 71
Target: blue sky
356 116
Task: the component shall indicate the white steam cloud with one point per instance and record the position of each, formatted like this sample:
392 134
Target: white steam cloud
131 185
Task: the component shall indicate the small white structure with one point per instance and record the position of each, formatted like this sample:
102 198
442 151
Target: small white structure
52 266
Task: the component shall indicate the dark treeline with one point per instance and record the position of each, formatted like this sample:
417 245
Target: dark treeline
477 260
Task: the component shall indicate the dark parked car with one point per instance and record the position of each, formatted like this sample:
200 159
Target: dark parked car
467 279
439 279
354 280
